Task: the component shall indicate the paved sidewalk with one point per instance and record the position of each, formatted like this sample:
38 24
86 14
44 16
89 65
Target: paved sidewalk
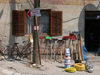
7 72
55 68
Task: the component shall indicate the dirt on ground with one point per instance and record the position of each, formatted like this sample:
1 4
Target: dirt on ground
48 68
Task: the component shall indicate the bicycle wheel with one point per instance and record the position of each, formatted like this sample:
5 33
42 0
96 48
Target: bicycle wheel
16 54
9 53
26 53
5 53
2 52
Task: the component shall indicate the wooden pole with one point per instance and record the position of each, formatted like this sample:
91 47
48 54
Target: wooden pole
61 50
80 57
71 47
36 49
81 48
77 51
41 49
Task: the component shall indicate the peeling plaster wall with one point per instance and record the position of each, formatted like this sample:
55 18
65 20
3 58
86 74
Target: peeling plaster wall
73 15
6 22
73 18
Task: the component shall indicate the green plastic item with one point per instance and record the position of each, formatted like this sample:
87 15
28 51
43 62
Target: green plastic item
48 38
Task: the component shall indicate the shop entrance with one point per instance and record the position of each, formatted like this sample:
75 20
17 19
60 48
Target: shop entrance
92 30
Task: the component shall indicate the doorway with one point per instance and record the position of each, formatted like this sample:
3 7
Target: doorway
92 30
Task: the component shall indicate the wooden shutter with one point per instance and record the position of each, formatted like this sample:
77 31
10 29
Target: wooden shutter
56 23
18 22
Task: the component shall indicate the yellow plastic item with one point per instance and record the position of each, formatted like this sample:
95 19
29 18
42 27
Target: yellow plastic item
70 69
80 67
31 38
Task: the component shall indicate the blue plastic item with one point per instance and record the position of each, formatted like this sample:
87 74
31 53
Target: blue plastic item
67 53
85 52
67 66
85 57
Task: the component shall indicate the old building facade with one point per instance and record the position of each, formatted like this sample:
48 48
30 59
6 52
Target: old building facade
73 15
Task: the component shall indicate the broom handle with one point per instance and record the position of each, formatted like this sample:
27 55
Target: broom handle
61 51
41 48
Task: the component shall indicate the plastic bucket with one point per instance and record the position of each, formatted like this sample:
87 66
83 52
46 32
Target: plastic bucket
67 61
67 58
67 54
67 51
67 65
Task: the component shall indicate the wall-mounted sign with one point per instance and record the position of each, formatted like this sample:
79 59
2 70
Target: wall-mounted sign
34 12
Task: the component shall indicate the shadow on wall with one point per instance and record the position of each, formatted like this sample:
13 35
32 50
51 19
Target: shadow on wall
1 12
81 23
12 7
30 3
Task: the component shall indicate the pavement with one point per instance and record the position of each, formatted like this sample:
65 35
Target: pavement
49 68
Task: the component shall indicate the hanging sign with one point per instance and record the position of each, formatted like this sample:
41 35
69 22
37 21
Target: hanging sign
36 28
34 12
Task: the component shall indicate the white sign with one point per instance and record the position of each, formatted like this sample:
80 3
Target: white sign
34 12
36 28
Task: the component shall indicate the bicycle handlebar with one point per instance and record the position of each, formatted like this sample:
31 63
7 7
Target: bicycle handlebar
16 43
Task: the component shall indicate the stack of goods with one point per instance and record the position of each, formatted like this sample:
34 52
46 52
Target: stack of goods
67 58
89 67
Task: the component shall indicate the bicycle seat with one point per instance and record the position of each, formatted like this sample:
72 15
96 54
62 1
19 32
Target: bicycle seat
16 43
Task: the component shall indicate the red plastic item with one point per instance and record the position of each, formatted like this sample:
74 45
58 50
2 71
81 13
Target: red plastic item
42 37
72 37
66 37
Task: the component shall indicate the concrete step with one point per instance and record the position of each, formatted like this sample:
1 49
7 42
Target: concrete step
92 58
91 54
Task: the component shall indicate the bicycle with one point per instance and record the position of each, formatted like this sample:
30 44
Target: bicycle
3 50
21 52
